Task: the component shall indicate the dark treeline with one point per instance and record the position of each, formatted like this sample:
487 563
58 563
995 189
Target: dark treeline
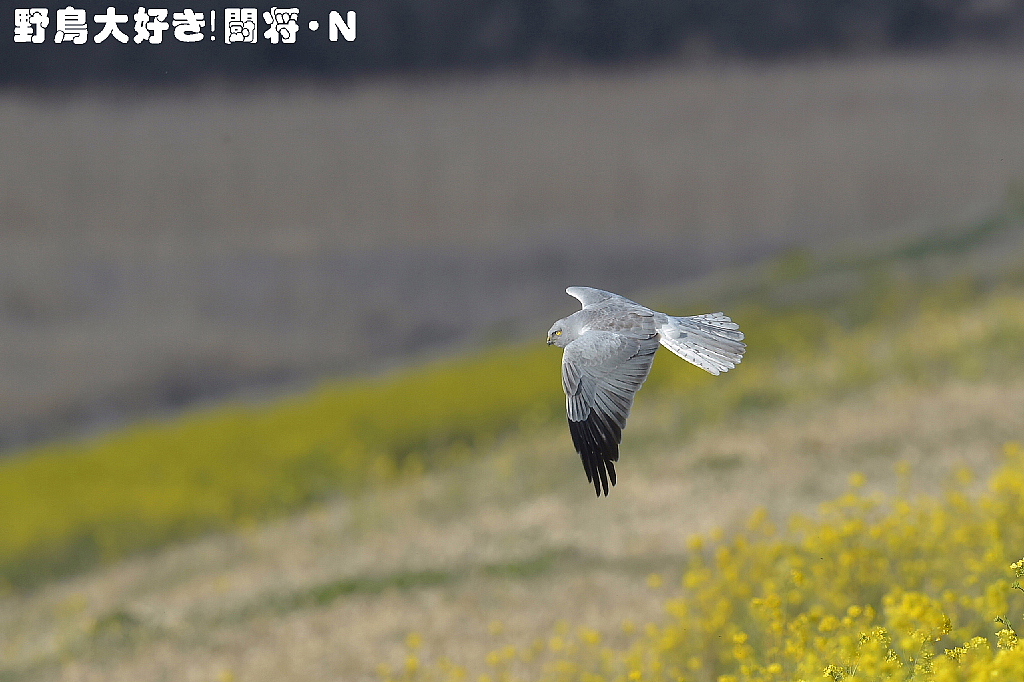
403 36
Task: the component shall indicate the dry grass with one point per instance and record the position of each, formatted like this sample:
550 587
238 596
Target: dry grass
166 247
496 552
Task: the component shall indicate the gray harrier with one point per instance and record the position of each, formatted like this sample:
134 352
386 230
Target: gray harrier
609 347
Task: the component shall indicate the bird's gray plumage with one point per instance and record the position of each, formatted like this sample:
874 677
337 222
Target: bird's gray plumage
609 347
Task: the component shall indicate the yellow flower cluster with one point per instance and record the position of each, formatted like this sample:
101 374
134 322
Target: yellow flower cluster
904 590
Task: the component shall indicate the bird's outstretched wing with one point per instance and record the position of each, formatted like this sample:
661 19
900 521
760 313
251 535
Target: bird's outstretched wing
601 372
589 296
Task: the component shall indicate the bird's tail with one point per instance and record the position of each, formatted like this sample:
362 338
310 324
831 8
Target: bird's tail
712 342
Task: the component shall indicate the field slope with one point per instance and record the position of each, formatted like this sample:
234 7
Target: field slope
442 526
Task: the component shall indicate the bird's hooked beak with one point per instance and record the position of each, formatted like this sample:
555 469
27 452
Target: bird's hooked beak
550 340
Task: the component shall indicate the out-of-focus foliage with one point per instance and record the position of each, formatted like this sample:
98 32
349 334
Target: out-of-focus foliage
907 589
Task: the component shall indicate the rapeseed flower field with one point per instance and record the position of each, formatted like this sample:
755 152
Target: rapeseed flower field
924 589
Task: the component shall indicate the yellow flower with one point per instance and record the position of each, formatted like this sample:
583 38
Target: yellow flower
1007 638
866 593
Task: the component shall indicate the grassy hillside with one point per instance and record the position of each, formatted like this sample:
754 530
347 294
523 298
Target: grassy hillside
816 332
465 537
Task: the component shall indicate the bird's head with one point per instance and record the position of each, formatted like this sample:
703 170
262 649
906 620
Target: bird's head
558 334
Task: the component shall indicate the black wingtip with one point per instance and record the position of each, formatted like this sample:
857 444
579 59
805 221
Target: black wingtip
598 446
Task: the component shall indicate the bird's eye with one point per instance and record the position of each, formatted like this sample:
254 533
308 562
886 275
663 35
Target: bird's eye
558 332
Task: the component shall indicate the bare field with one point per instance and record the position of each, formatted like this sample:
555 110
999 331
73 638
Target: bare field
162 248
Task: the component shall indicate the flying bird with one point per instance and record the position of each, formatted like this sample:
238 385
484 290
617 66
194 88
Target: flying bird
609 348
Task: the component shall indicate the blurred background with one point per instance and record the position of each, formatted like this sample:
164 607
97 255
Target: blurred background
186 221
190 225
